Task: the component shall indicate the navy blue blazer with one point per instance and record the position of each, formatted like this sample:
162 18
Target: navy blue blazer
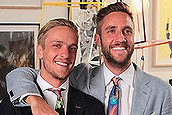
79 103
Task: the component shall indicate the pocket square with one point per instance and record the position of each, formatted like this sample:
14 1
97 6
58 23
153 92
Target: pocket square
152 113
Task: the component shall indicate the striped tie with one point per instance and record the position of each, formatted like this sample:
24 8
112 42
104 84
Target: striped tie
60 103
114 98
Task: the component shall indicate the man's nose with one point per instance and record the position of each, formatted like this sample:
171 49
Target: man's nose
120 37
65 52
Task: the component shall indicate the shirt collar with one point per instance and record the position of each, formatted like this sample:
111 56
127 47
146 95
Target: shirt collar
44 85
108 75
127 76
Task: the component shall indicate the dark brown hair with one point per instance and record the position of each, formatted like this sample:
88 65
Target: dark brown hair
116 7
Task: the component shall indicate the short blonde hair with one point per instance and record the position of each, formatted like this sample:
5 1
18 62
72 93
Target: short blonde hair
51 24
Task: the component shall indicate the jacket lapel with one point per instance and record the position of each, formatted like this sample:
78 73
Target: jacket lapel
142 92
75 104
97 83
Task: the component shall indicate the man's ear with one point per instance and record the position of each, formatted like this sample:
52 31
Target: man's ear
97 40
39 51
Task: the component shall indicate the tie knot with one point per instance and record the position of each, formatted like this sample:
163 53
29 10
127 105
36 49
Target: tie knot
56 91
115 80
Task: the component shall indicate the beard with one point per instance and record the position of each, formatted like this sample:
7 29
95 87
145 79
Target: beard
115 62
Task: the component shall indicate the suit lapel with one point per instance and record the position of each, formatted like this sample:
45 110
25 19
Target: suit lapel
141 93
97 84
75 104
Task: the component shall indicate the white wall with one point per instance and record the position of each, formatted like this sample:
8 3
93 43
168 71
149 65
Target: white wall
19 15
32 15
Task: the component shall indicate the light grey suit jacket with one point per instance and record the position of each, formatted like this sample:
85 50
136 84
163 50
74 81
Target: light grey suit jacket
152 96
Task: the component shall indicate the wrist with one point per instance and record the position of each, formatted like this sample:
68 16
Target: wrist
32 99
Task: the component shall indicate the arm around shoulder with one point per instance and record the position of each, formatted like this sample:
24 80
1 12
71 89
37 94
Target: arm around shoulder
21 81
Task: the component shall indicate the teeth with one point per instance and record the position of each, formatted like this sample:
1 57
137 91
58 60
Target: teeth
119 48
60 63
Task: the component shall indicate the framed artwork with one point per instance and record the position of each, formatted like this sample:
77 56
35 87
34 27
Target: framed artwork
17 49
18 43
139 19
21 4
84 17
140 31
162 32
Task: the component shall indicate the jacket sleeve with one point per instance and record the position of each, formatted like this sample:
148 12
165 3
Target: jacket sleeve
21 81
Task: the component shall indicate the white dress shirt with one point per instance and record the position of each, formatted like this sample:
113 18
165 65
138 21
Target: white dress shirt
126 92
51 97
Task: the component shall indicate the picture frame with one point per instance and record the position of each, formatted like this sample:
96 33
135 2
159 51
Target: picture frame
84 17
140 31
139 20
21 4
162 27
18 42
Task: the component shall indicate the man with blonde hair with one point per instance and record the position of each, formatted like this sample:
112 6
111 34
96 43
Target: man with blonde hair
57 48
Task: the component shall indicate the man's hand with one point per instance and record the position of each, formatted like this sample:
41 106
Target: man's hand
39 106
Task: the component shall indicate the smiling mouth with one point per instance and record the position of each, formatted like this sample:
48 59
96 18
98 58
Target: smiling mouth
119 48
62 64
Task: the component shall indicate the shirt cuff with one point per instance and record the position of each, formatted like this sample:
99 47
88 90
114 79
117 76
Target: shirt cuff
21 102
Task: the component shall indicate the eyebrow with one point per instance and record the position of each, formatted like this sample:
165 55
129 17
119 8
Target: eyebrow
110 27
64 43
57 41
125 27
128 27
73 45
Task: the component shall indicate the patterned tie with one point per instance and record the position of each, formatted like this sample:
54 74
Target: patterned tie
114 98
59 104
